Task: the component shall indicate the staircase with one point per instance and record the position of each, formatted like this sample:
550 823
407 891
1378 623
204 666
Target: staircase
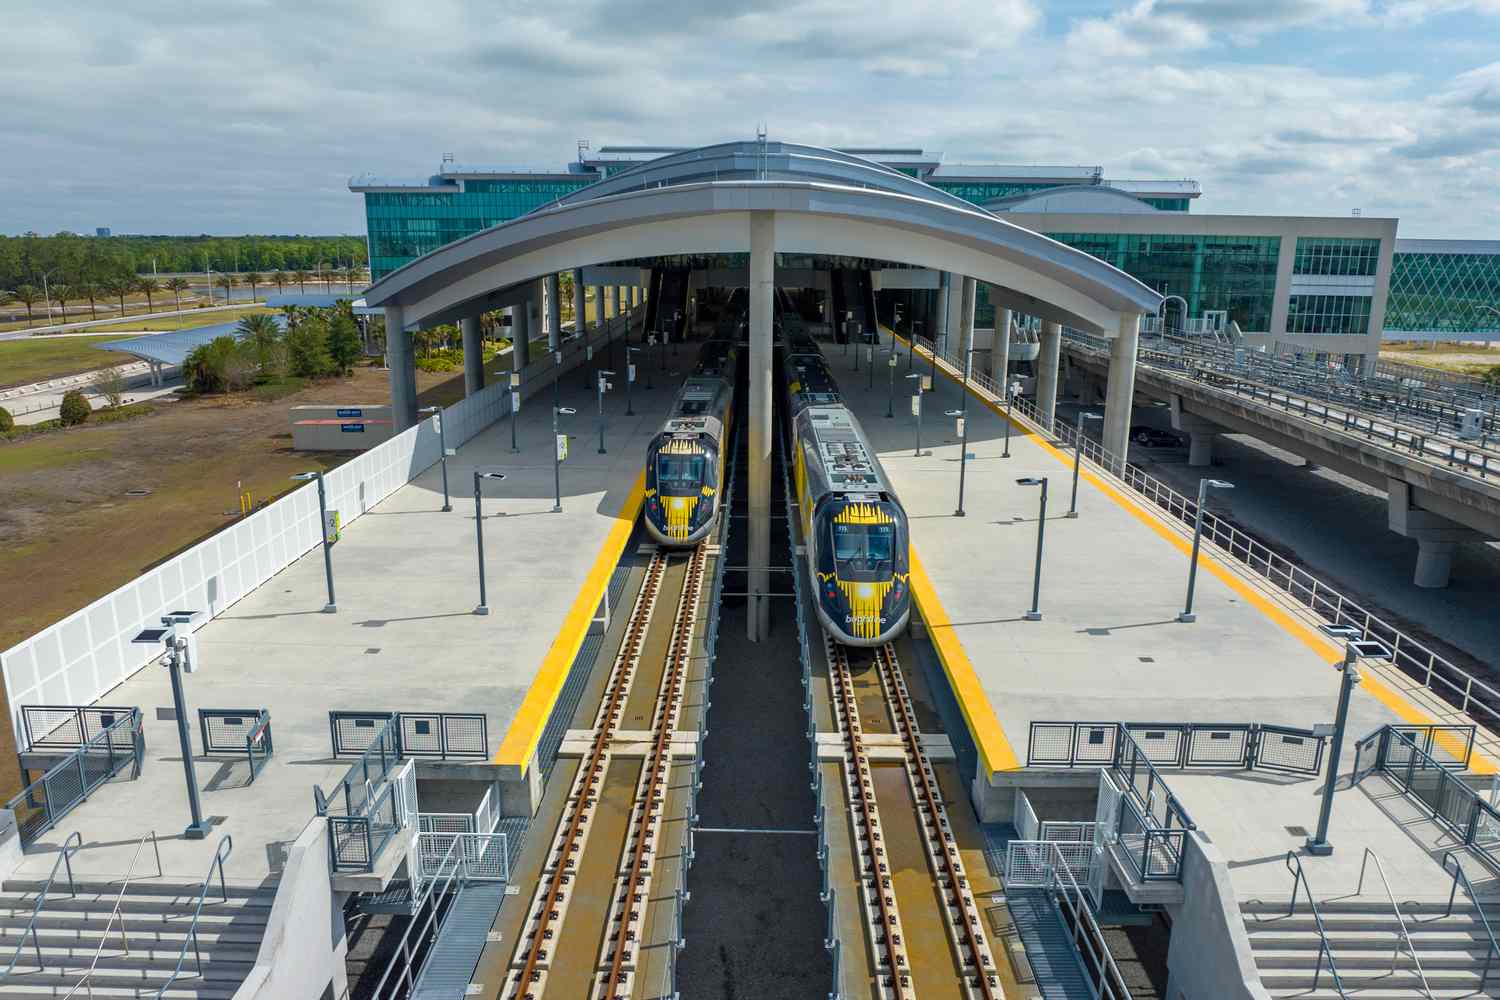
1054 961
1363 932
156 916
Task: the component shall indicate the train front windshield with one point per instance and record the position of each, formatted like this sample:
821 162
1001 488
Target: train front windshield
863 548
679 473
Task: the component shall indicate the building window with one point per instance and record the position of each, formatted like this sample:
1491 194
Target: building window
1328 314
1336 255
1444 294
979 193
1168 204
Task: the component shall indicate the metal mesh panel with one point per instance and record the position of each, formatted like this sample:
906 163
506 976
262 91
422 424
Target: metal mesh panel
67 727
1163 745
465 735
1295 750
1221 746
1094 743
421 734
1067 831
353 732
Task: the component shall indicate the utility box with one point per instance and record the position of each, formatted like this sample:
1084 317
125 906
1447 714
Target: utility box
1471 425
339 428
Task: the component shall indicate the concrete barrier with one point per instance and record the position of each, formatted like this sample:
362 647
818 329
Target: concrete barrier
340 428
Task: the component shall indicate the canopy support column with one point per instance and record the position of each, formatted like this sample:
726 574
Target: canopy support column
1119 396
762 296
403 363
473 355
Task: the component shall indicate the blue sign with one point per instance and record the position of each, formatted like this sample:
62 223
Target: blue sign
352 428
351 411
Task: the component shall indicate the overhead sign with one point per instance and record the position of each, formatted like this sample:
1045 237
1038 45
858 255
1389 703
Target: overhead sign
352 428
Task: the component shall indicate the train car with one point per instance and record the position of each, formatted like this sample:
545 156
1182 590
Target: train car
854 528
685 461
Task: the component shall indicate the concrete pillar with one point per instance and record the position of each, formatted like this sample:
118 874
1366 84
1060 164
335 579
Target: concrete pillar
966 320
520 329
1436 535
1434 563
1046 372
580 302
1000 349
1200 448
939 331
1200 433
403 363
473 355
1119 396
762 306
554 312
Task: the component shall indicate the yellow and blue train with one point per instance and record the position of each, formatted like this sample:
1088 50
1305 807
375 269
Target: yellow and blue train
685 461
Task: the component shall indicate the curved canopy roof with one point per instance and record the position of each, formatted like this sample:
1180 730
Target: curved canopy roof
825 202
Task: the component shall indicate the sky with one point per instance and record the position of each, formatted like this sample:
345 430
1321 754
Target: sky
206 116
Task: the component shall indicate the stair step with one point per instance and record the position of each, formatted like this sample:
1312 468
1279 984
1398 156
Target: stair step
226 975
138 887
68 953
1371 904
130 904
1468 961
1281 977
15 991
163 927
1357 923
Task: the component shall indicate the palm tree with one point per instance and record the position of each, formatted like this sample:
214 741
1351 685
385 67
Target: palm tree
89 290
227 282
351 275
119 287
300 277
177 286
261 330
279 276
149 286
252 279
60 291
293 315
27 295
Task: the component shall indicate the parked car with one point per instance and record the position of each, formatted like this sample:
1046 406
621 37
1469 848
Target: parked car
1154 438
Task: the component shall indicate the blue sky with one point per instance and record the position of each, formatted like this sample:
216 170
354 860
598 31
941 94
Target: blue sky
250 116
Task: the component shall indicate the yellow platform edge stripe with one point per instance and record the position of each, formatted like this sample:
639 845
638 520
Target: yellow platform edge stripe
1480 763
526 728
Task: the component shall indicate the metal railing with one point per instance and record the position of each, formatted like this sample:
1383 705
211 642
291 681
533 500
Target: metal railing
1489 932
221 853
1294 865
244 732
68 783
1153 825
64 728
1088 940
1404 937
1454 685
70 846
435 735
87 980
1029 863
1178 745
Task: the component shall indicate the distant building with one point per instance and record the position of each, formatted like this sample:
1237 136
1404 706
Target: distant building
102 231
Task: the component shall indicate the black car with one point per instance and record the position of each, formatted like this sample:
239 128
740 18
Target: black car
1153 438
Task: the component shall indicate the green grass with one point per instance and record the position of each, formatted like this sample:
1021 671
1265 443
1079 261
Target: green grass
189 320
276 388
39 358
109 415
51 451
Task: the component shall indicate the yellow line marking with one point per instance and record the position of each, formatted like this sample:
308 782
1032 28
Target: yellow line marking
995 751
525 730
1387 696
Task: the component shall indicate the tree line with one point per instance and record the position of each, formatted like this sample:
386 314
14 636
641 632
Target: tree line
314 343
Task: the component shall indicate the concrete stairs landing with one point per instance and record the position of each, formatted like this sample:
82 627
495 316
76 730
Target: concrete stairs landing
1362 934
156 916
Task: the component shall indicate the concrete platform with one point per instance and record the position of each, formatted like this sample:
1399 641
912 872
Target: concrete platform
405 637
1109 646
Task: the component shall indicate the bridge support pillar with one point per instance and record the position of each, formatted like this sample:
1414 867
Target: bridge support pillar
1000 347
403 364
1200 448
1119 396
1046 372
939 330
1200 434
762 436
473 355
1436 536
580 302
554 312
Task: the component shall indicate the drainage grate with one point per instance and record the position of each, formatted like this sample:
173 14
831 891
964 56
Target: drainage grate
372 649
1146 659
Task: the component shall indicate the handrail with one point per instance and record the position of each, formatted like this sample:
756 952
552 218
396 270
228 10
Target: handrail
420 895
1111 984
1405 936
104 935
1459 873
1298 878
222 852
65 858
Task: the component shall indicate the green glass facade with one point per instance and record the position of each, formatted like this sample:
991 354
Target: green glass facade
1235 274
405 225
1336 255
1444 294
1328 314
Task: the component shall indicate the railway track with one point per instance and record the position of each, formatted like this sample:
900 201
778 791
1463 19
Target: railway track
973 959
620 928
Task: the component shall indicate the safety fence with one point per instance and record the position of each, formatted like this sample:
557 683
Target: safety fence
245 732
1152 825
40 805
1454 685
1434 780
90 652
434 735
65 728
1178 745
366 809
1029 863
483 819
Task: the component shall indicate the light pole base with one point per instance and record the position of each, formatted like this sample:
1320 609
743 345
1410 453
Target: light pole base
1072 515
1187 617
1318 848
515 451
1006 455
447 508
483 609
1032 616
603 452
197 831
557 509
329 609
959 512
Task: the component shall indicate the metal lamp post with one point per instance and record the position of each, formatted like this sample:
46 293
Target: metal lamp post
963 432
479 476
630 379
1011 391
916 409
890 364
1078 459
559 452
651 344
870 364
1203 488
604 386
1035 614
177 658
1354 648
437 418
302 477
515 408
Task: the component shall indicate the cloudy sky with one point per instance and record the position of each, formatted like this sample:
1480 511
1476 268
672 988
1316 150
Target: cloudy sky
206 116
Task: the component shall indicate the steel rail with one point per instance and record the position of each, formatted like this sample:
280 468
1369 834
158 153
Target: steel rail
622 941
965 927
1404 938
876 869
71 845
104 935
567 846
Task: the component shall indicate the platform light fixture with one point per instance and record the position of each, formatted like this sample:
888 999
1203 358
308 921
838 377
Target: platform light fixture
630 353
437 419
1011 392
181 654
916 378
1078 458
559 454
1204 485
1355 647
1035 614
604 386
323 526
480 475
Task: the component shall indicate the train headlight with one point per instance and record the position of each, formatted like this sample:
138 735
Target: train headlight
866 591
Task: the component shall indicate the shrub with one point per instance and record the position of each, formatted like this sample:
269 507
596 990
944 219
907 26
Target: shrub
111 385
307 349
74 409
344 346
7 422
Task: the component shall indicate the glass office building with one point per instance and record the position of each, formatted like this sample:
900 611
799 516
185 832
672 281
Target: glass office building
1445 289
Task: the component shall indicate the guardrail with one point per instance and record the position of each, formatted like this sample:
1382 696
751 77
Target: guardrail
88 976
221 854
71 845
1178 745
1088 940
1454 685
1403 938
1152 827
1489 932
65 785
1294 865
238 732
1029 863
372 812
433 735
